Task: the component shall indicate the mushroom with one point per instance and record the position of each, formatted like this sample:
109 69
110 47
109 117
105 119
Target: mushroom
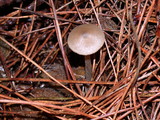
85 40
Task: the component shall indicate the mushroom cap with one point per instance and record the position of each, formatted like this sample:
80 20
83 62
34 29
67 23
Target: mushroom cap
86 39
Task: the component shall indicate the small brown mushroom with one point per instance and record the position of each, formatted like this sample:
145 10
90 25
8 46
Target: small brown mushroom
85 40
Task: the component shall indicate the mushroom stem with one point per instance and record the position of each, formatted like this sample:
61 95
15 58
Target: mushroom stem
88 68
